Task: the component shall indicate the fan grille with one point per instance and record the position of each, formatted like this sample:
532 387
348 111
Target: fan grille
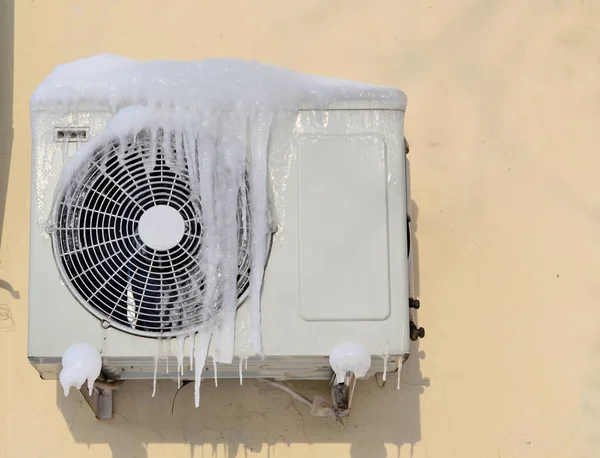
104 262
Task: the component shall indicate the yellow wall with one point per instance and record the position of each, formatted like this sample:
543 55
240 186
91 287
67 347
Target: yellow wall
504 97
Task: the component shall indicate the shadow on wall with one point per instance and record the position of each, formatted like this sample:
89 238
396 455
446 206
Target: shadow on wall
233 419
248 418
6 98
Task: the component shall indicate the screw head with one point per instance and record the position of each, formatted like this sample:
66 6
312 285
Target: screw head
416 333
414 304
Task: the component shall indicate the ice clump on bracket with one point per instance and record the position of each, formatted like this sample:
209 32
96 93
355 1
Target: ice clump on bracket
221 113
80 362
349 357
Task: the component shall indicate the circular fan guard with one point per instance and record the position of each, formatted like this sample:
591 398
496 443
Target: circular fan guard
104 262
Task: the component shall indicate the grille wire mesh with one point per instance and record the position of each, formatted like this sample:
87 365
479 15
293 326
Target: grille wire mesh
104 262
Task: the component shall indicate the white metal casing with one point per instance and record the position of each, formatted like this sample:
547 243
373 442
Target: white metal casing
338 267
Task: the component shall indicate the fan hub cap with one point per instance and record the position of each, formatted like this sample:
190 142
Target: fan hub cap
161 227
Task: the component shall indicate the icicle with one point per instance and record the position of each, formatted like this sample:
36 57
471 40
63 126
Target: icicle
231 159
200 355
181 150
244 205
258 209
226 337
180 341
155 374
207 155
243 361
385 364
124 141
166 352
121 149
179 154
153 147
65 147
191 155
167 148
180 346
192 338
214 361
399 370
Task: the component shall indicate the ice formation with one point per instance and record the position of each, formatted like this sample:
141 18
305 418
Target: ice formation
399 372
215 372
201 351
155 375
180 342
80 362
244 362
241 372
349 357
221 113
385 365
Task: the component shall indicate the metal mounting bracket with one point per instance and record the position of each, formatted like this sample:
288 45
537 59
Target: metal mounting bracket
101 400
342 393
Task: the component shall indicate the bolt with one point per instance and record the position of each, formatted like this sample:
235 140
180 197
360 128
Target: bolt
414 303
415 332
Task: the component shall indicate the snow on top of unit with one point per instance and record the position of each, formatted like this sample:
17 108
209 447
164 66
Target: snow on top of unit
197 85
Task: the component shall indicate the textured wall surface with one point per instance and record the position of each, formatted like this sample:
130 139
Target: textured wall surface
504 99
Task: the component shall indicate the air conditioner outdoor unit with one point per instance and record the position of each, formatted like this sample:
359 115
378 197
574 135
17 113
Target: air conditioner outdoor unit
119 218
